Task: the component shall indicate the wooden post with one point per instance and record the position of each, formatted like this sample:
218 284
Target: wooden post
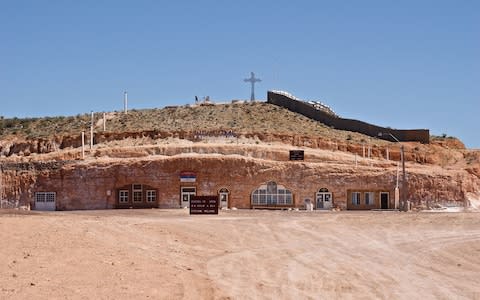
104 122
83 144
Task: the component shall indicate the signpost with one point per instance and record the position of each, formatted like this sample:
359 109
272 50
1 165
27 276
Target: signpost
297 155
204 205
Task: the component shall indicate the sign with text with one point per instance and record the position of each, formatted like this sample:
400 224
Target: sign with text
296 155
188 177
204 205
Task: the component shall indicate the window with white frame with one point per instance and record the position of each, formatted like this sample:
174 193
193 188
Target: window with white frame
356 198
45 196
369 198
272 194
50 197
123 196
151 195
40 197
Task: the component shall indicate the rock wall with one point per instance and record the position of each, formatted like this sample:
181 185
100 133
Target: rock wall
432 154
92 185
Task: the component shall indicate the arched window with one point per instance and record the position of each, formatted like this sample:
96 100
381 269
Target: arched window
223 190
271 194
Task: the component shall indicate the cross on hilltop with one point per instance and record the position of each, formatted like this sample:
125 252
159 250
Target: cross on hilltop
252 80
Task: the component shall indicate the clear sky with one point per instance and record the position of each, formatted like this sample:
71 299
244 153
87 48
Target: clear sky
404 64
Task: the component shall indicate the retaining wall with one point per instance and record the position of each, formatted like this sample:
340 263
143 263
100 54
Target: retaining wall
306 109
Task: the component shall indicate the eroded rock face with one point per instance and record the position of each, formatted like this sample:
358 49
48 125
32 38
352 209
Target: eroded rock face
93 184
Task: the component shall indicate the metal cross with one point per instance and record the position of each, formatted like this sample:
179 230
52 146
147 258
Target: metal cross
252 80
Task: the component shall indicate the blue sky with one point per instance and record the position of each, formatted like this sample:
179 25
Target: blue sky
403 64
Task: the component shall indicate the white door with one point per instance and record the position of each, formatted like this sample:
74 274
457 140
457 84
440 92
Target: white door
327 200
185 194
319 201
45 201
223 197
324 200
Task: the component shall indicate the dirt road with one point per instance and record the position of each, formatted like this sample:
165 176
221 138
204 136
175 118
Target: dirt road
244 254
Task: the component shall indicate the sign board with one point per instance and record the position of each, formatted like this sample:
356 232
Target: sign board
187 177
204 205
296 154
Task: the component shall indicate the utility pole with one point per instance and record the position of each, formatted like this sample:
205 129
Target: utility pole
83 144
404 180
403 194
91 132
104 122
125 102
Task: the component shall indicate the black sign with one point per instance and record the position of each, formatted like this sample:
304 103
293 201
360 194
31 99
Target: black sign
204 205
296 155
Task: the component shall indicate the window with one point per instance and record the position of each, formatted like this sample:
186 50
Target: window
356 198
45 196
50 197
255 198
369 198
327 197
137 192
151 195
40 197
137 196
123 196
272 194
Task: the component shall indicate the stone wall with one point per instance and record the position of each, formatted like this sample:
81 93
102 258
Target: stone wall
414 135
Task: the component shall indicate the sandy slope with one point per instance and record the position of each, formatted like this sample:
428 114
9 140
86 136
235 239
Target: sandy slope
167 254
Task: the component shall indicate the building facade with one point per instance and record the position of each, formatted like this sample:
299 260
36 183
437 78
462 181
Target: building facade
238 182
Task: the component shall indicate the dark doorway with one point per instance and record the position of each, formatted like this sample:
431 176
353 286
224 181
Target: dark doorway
384 200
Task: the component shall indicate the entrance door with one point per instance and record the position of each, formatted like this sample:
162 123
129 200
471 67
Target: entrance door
319 200
45 201
185 194
384 200
223 196
324 199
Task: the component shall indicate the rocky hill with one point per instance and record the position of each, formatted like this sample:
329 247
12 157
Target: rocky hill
258 131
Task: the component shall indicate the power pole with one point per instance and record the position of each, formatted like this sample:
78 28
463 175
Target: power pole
83 144
91 132
404 190
404 180
125 102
